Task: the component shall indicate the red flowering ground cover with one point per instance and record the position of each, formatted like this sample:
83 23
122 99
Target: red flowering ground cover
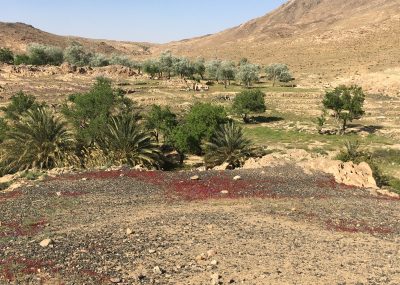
12 268
10 195
18 229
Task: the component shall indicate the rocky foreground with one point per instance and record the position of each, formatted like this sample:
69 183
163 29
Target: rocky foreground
266 226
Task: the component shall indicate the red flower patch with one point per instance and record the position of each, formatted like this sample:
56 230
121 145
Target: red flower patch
11 268
17 229
10 195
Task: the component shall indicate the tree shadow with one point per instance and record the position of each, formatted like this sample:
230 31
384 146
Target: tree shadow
265 119
371 129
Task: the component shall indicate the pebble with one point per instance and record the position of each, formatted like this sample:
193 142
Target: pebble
215 279
214 262
224 192
195 177
237 177
211 253
129 231
115 280
84 179
46 242
152 251
157 270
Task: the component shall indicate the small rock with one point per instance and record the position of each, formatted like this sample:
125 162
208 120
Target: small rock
84 179
58 194
215 279
129 231
115 280
211 253
214 262
158 270
195 177
237 177
152 251
224 192
46 242
201 257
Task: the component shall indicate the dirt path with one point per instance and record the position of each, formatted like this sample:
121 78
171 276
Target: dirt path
279 226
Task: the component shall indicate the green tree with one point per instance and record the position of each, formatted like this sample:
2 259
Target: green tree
212 68
6 56
183 67
278 71
89 112
226 72
227 145
37 140
161 121
151 67
200 67
247 102
166 61
346 103
128 144
247 74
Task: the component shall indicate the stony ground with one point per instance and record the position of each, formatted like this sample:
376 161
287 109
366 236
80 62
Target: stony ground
274 226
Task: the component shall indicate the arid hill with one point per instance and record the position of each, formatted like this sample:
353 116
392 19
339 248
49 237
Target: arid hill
17 36
326 38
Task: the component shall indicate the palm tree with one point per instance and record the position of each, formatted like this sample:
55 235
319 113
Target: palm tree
227 145
37 140
128 144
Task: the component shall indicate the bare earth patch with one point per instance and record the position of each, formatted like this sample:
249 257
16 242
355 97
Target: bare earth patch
278 226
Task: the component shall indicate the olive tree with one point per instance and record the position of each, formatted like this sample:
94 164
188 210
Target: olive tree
76 54
346 103
247 74
166 61
226 72
212 68
278 71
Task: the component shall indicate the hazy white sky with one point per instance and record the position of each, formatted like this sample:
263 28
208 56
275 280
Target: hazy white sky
134 20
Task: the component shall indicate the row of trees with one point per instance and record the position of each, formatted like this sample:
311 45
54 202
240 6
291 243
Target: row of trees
166 65
102 128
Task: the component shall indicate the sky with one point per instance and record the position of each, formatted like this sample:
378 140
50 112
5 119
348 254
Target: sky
157 21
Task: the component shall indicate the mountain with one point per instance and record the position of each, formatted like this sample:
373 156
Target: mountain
327 38
17 36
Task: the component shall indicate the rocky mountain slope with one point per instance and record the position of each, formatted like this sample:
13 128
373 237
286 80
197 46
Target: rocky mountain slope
17 36
324 38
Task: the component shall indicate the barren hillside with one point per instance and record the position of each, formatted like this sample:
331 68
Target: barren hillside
325 38
17 36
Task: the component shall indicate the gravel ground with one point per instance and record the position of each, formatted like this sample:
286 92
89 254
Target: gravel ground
273 226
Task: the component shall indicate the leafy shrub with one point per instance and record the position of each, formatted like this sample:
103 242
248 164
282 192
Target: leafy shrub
98 60
199 124
22 59
37 140
20 103
6 56
89 112
76 54
161 121
227 145
121 60
43 54
249 101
